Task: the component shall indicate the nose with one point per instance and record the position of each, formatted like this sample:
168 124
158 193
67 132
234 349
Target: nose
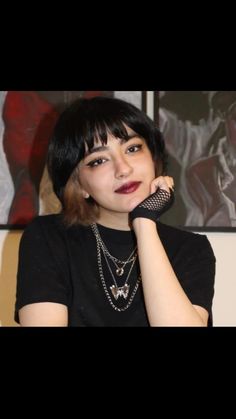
122 168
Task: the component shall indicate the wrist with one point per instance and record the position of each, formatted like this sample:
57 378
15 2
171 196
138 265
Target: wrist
141 224
153 206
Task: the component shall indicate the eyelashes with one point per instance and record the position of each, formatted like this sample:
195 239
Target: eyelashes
101 160
96 162
135 148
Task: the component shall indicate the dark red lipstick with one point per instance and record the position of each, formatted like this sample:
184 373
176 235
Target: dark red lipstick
128 187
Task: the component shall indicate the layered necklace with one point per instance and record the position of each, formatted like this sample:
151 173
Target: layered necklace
115 292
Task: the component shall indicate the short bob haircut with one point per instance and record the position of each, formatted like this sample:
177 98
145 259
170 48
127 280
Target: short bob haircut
84 121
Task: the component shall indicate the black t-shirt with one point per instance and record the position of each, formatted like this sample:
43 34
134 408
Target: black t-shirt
59 264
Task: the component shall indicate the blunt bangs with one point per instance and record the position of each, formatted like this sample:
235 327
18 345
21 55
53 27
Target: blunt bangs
100 131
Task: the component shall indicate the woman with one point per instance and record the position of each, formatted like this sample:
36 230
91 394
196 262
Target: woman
107 260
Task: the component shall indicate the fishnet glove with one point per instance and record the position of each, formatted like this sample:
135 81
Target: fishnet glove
153 206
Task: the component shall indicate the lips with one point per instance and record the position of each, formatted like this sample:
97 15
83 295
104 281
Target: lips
128 188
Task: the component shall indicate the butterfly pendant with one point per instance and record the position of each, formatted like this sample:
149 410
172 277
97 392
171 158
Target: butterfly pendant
120 291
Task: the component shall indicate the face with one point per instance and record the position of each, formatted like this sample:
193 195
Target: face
117 175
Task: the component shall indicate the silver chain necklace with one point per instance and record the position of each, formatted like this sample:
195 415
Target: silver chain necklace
115 290
119 270
120 291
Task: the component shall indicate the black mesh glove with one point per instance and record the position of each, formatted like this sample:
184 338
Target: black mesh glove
153 206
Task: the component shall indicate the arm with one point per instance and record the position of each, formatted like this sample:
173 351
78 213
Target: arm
42 295
205 184
184 140
166 302
44 314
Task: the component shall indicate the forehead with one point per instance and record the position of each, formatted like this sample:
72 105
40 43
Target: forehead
98 140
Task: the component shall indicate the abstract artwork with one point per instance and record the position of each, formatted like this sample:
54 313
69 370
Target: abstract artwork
199 128
27 119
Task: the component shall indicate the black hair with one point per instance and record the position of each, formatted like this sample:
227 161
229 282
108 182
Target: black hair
88 119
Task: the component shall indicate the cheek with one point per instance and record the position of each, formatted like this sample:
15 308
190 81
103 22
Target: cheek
94 184
149 164
85 181
150 169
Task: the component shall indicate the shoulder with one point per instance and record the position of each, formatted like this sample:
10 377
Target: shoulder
176 240
168 233
44 222
43 228
50 228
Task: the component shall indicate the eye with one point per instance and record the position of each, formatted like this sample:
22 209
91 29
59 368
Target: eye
96 162
134 148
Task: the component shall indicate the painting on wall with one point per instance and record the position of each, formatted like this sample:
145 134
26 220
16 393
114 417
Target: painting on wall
199 128
27 119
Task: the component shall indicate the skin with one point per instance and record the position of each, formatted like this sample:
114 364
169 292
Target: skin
101 173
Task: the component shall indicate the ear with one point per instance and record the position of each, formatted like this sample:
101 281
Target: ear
82 191
85 194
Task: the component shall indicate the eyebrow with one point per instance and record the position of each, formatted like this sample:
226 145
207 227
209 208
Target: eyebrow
105 147
96 149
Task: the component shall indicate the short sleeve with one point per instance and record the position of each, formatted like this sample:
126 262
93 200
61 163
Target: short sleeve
42 267
195 269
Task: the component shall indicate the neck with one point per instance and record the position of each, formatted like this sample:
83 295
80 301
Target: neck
117 221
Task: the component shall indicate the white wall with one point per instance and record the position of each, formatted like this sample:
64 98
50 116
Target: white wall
224 306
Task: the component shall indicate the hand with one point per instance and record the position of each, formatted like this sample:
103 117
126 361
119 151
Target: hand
160 200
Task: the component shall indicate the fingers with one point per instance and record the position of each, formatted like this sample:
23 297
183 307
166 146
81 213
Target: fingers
154 205
162 182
